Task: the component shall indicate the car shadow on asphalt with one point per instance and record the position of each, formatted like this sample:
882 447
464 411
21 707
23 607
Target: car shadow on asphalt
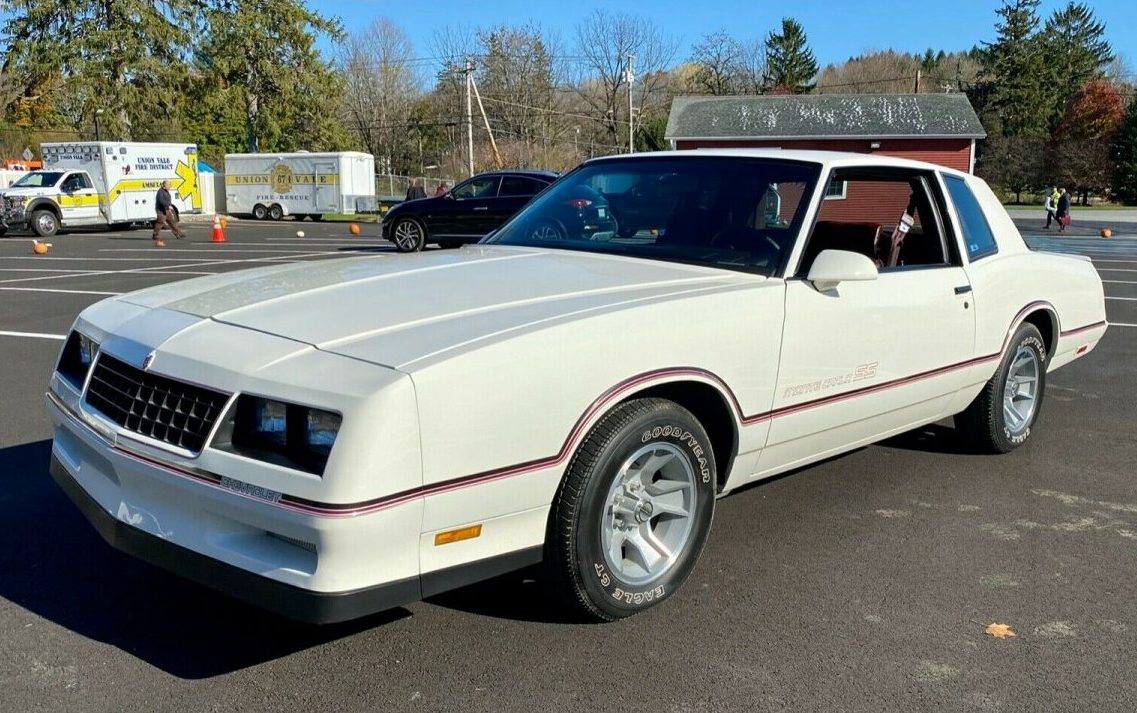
525 595
56 566
933 438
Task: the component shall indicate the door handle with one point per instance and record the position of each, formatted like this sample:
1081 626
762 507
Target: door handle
481 207
963 289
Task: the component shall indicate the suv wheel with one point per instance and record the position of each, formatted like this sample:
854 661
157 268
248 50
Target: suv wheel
408 235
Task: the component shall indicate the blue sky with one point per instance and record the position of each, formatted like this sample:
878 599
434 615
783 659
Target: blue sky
836 29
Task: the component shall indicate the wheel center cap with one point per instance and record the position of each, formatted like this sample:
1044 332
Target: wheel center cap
644 510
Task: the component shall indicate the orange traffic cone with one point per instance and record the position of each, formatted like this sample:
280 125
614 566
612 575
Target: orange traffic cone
218 234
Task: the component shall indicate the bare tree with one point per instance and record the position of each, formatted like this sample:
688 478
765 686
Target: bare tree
381 87
605 42
716 59
725 65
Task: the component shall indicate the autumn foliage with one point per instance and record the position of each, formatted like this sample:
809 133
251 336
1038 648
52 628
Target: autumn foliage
1093 113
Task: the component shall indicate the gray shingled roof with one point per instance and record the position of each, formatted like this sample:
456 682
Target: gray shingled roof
824 116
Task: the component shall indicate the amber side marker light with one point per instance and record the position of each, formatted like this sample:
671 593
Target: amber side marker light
464 533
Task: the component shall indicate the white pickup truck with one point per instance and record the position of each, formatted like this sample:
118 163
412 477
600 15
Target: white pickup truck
100 183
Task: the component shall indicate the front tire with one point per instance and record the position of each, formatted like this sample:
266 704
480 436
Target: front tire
408 235
633 512
1001 417
260 212
275 212
44 223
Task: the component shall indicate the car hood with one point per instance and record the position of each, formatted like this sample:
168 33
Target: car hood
26 192
395 309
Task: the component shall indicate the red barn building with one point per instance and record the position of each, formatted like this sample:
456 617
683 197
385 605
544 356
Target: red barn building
937 128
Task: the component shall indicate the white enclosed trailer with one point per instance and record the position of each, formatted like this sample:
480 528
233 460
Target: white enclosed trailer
266 185
101 183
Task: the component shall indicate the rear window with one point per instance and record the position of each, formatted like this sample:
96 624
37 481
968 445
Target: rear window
977 236
520 186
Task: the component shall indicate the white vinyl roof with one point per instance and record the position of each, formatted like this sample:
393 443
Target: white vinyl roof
829 159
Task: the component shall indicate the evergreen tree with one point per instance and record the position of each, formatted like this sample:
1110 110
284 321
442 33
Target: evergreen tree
1014 72
1075 51
126 57
790 64
264 52
1125 157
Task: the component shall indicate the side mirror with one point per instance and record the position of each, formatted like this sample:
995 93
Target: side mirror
833 267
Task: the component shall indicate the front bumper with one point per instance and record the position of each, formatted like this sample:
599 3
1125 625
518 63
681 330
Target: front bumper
302 565
286 599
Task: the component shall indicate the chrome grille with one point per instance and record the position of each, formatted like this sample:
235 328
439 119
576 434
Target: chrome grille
161 408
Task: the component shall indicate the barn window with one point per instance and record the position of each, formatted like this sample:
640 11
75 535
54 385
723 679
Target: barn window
836 191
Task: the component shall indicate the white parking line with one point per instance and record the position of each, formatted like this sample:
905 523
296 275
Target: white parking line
101 259
40 269
1116 269
34 335
1128 261
1127 299
1121 282
66 292
208 250
1122 324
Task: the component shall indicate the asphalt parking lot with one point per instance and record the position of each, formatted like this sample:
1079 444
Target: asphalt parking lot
861 583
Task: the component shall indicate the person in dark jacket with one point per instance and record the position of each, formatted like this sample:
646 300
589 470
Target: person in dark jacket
1063 211
165 215
416 190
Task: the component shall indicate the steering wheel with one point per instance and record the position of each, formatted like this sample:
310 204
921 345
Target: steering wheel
742 239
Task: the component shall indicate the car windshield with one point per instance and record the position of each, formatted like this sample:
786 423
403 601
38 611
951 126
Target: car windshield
38 179
731 212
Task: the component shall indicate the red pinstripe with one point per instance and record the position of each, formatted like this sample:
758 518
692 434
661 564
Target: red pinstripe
660 375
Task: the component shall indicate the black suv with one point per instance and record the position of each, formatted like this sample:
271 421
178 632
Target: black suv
471 209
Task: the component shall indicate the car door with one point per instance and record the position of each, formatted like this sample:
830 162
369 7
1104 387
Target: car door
870 358
78 200
465 211
514 193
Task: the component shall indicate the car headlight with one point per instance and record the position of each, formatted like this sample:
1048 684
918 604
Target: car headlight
286 434
75 360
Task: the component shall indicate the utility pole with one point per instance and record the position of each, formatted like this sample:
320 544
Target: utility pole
469 72
486 119
630 75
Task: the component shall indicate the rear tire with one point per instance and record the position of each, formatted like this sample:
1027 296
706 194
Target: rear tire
275 212
44 223
1002 416
260 212
633 511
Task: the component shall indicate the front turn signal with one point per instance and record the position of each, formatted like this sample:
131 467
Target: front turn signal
464 533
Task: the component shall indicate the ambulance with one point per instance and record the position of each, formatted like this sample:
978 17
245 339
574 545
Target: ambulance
109 183
303 184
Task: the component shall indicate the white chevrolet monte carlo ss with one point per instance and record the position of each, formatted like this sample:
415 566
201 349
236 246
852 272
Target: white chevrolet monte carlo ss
328 439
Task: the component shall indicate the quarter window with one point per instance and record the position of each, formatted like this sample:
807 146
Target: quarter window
977 235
